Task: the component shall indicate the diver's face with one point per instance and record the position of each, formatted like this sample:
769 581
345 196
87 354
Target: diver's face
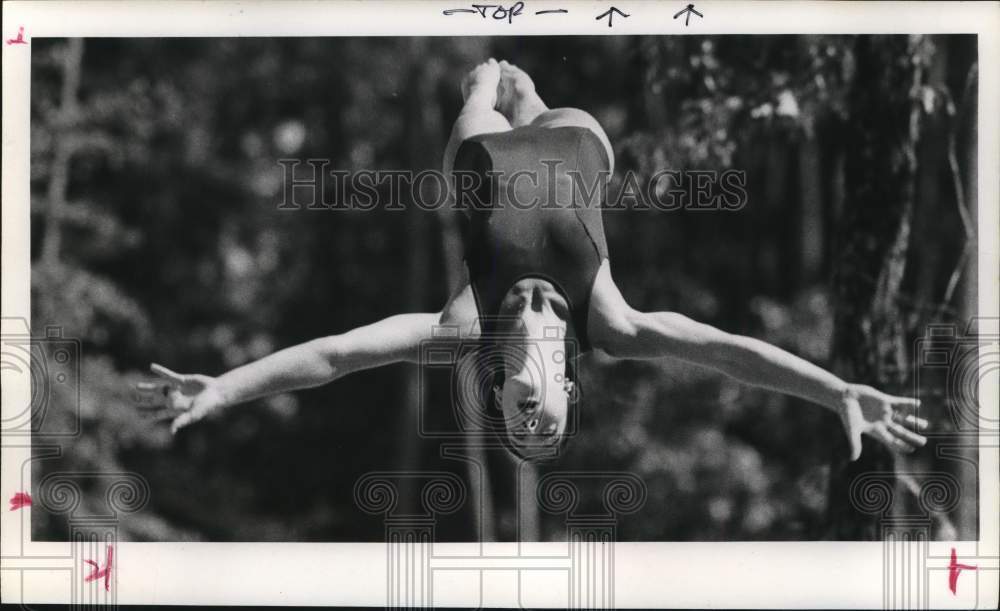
535 394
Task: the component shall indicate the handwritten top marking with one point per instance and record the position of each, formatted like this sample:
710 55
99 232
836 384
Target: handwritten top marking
689 10
496 11
610 15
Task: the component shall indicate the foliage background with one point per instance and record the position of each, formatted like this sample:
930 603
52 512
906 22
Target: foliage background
155 237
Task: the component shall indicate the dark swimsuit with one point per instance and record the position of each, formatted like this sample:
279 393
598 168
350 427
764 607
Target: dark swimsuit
528 220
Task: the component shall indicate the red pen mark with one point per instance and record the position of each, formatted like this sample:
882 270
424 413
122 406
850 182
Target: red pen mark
19 500
99 572
20 38
954 569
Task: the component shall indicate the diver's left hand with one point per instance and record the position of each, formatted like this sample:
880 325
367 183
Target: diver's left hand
864 410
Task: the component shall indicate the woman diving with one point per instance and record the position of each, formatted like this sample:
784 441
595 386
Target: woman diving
537 270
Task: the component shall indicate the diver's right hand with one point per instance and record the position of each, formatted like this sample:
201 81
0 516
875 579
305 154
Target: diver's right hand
181 398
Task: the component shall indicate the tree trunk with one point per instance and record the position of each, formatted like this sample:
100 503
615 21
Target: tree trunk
880 170
811 233
968 298
62 150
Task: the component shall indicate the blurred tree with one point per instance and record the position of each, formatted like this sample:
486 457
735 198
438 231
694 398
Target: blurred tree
155 236
870 345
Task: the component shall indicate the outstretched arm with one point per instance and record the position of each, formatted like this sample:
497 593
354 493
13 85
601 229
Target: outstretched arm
627 333
186 398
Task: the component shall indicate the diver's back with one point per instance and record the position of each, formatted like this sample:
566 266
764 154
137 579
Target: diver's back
538 213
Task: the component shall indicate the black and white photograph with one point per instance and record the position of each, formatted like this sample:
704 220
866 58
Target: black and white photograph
580 289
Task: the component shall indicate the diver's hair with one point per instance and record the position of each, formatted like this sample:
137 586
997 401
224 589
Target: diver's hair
498 425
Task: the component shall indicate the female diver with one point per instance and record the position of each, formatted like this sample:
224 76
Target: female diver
537 272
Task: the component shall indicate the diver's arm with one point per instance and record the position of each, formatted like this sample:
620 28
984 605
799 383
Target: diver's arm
627 333
189 397
749 360
862 409
391 340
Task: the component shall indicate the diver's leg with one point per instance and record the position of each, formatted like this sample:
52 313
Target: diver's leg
520 103
461 311
479 114
517 98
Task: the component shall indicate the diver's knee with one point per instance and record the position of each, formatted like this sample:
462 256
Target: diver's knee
575 117
568 116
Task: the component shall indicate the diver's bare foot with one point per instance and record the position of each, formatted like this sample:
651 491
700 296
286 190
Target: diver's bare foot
518 100
480 85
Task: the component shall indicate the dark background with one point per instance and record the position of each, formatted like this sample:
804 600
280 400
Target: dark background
155 237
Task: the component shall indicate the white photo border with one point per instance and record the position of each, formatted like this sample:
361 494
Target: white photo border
799 574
